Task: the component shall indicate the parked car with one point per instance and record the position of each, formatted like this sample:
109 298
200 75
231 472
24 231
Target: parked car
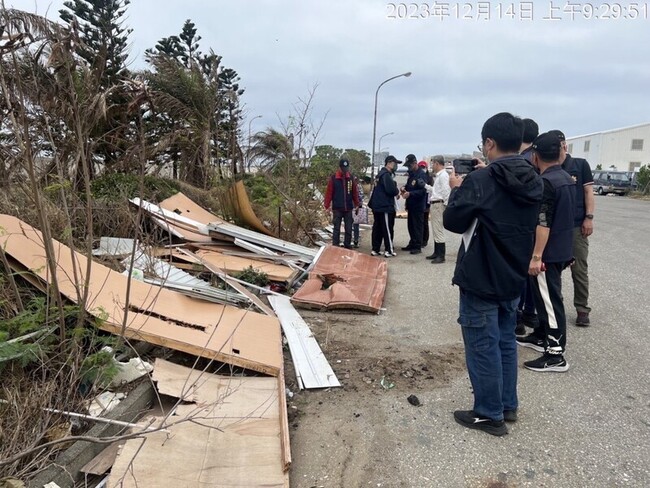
606 181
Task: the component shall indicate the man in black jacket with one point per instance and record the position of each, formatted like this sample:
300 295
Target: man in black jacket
382 204
496 210
415 195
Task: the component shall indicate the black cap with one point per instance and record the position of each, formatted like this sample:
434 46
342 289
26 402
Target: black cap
344 163
547 146
410 159
390 159
557 133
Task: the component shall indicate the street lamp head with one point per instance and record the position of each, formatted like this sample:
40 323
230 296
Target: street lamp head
407 74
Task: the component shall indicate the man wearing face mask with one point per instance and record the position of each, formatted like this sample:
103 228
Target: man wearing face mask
496 210
415 195
382 204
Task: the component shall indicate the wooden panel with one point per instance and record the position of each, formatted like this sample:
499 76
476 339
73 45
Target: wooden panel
234 264
156 315
233 440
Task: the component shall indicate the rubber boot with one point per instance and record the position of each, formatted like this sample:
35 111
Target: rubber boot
440 258
436 248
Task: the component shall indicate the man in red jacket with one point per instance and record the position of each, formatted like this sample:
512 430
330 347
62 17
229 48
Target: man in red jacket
342 196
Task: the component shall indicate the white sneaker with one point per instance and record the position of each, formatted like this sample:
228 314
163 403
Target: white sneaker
373 253
389 254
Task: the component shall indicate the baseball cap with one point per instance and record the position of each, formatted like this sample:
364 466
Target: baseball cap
547 145
344 163
390 159
422 164
410 159
557 133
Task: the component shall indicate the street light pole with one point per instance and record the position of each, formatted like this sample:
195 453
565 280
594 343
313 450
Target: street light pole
248 149
374 125
388 134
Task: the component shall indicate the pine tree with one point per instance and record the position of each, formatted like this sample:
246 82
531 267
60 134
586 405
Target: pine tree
100 26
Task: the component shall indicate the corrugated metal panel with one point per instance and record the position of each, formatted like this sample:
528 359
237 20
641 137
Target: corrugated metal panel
234 231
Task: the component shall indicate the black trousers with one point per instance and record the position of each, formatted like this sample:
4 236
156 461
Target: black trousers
383 230
346 217
547 294
416 227
425 229
526 301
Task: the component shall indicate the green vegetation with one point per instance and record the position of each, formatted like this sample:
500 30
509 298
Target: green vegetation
253 276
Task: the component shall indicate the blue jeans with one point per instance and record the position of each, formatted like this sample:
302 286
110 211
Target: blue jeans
490 352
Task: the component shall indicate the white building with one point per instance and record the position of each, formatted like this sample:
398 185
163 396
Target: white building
627 148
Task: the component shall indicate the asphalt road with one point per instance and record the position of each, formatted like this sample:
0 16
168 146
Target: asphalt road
588 427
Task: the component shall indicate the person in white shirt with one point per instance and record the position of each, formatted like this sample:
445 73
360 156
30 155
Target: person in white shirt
439 195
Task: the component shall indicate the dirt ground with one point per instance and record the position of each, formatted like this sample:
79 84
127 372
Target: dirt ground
335 433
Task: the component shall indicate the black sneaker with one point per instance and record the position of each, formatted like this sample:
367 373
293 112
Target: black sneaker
415 251
355 244
520 330
548 362
467 418
533 342
583 319
510 415
407 248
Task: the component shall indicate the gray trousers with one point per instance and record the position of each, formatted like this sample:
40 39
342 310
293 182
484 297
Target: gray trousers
580 271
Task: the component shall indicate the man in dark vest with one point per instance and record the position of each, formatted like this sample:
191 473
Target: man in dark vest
415 195
552 253
342 195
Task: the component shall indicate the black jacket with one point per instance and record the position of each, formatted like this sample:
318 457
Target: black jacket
504 198
417 200
384 193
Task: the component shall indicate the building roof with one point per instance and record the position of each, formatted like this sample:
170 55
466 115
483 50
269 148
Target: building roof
610 131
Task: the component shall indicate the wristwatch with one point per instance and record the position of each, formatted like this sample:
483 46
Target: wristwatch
589 216
536 257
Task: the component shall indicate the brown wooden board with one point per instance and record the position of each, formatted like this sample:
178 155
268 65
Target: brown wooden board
156 315
103 461
230 435
234 264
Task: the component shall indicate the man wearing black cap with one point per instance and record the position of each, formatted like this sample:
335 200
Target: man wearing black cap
415 195
382 203
580 171
552 253
342 195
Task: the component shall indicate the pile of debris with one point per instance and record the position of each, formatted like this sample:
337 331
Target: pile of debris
224 430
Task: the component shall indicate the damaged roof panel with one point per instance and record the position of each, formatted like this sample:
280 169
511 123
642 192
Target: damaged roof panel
344 279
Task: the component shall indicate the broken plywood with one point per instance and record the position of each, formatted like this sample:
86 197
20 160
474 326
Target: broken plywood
312 368
235 264
344 279
231 435
155 315
180 204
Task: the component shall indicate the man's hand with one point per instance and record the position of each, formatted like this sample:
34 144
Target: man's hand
454 180
535 267
479 163
587 227
405 194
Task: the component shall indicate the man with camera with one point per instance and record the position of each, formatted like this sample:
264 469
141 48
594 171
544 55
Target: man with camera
496 210
415 195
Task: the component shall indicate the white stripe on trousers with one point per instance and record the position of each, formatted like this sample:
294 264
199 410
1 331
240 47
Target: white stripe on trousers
546 297
390 239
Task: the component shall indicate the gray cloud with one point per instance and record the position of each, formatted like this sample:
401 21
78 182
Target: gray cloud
581 75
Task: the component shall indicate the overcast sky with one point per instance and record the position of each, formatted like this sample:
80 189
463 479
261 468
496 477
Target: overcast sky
580 75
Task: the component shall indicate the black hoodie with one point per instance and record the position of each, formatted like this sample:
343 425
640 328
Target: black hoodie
504 199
